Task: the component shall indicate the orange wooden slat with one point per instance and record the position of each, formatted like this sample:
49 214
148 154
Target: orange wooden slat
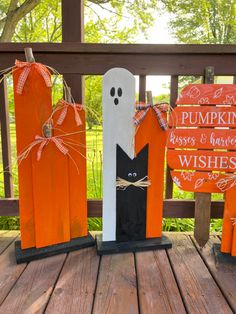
199 116
202 138
202 160
32 108
214 94
156 139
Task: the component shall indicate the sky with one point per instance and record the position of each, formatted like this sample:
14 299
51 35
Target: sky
158 34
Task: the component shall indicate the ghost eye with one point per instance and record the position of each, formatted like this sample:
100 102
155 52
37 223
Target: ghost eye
134 174
119 92
130 175
112 92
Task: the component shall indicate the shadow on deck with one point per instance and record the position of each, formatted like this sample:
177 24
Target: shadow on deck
182 279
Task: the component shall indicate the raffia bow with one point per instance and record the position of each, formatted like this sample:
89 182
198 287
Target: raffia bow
64 105
143 108
123 184
27 66
42 142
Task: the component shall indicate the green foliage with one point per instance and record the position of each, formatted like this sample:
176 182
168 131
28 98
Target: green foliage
9 223
205 21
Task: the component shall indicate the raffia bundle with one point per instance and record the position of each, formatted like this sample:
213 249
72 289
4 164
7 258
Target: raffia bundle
122 184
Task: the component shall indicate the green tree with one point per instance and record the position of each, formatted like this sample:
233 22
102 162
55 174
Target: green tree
43 18
205 21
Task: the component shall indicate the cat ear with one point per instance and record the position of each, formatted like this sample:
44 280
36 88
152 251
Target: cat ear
143 153
121 154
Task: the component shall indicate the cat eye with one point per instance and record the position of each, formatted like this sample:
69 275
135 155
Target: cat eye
119 92
129 174
112 91
134 174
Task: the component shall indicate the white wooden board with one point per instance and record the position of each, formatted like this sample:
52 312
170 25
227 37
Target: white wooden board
118 128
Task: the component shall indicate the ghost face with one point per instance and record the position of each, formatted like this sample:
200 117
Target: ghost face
116 94
119 109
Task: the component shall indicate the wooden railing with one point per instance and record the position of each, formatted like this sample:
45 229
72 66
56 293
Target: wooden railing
76 59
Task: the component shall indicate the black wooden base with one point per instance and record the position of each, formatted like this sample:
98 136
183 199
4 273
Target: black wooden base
31 254
222 258
112 247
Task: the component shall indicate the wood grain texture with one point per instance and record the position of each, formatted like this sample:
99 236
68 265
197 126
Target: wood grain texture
202 138
202 217
118 103
5 140
31 292
9 272
116 288
224 274
155 137
203 116
228 244
74 291
171 208
6 238
143 59
199 291
32 109
174 82
157 287
51 196
202 160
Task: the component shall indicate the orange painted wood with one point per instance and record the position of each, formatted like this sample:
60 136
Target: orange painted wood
233 251
150 132
228 243
77 177
51 196
32 108
202 138
197 181
199 116
215 94
202 160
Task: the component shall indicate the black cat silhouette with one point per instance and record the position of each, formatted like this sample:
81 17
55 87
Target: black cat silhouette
131 201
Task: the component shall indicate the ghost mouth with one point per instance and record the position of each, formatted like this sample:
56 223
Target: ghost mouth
116 101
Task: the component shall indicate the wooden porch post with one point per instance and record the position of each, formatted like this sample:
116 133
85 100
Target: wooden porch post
73 31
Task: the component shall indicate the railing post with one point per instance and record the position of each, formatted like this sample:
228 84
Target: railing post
142 88
5 137
202 211
173 97
73 31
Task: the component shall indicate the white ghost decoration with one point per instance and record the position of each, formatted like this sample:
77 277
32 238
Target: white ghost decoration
118 128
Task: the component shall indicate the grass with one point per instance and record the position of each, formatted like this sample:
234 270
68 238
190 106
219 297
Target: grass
94 187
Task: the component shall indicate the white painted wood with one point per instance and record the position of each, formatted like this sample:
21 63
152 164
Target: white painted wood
118 128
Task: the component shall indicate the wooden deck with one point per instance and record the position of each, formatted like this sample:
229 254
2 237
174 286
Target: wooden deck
184 279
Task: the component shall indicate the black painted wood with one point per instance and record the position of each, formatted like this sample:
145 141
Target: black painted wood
32 254
223 258
113 247
131 201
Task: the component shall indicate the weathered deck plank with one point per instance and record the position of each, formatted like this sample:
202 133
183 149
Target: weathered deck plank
6 238
179 280
157 287
116 288
9 271
224 274
74 291
33 289
199 290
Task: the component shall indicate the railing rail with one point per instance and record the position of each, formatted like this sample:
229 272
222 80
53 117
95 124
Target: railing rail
76 59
